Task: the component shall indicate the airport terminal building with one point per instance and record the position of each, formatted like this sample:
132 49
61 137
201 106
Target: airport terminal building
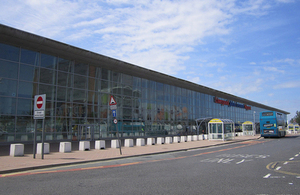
79 84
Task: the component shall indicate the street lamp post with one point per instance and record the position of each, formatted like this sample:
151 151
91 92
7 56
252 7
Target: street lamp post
254 130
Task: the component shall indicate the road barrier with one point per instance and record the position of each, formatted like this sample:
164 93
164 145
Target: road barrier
140 142
128 143
100 144
169 140
46 148
65 147
160 140
16 150
84 145
176 139
150 141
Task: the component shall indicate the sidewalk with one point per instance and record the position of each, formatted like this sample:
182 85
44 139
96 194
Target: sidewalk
14 164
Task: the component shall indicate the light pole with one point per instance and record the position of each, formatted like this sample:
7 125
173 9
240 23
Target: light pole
254 130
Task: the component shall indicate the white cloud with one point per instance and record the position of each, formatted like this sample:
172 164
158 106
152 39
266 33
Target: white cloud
273 69
194 79
291 84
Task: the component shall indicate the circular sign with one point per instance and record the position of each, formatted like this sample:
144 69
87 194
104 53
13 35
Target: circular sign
115 121
39 102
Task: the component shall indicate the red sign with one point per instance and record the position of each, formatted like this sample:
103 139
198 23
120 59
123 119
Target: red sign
39 102
112 101
115 121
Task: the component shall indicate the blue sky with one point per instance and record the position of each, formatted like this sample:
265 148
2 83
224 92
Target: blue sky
248 48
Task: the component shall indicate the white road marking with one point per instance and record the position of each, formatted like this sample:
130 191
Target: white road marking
297 155
285 163
277 177
278 168
267 176
240 161
291 159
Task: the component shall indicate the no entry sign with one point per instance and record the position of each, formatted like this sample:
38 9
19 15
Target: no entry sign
39 102
39 106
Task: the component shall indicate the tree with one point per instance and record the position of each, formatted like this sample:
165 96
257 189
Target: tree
296 118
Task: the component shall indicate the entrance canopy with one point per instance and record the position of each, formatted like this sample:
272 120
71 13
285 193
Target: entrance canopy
220 129
247 128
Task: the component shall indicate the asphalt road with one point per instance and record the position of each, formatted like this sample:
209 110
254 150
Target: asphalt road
265 166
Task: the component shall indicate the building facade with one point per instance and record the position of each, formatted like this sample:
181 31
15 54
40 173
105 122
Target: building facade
78 85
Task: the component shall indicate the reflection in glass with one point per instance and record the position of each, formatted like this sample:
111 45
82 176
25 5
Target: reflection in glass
29 57
48 61
28 73
8 87
47 76
25 124
64 79
25 107
79 96
25 90
49 90
80 68
64 94
65 65
80 82
7 105
8 69
9 52
7 124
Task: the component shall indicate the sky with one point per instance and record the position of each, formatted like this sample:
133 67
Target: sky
248 48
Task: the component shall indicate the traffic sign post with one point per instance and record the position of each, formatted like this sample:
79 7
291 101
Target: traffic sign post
113 108
39 113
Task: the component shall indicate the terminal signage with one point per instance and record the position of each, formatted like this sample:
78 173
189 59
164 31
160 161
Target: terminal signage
39 106
231 103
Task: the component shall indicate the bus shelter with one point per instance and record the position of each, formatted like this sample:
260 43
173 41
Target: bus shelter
247 128
293 128
220 129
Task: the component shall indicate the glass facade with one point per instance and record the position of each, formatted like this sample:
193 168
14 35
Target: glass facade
77 101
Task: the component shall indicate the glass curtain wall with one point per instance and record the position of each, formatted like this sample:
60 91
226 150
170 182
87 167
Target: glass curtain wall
78 95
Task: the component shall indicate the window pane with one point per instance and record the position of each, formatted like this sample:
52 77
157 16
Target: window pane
25 90
105 87
63 109
64 94
79 110
117 77
7 105
48 61
65 65
25 107
28 73
79 96
9 52
8 69
64 79
49 90
8 87
105 74
79 82
7 123
29 57
81 69
47 76
127 79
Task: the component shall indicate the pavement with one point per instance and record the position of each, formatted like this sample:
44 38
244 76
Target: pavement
9 164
